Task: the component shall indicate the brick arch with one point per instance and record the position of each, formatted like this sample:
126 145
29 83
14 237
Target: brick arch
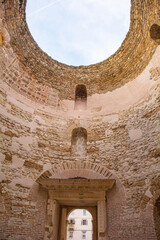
86 170
151 194
116 198
147 206
149 200
78 169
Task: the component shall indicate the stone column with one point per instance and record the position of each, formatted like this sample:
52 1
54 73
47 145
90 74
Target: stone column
55 219
52 222
102 220
63 231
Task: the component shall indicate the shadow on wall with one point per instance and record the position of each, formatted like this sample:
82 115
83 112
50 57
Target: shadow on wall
80 97
157 218
155 33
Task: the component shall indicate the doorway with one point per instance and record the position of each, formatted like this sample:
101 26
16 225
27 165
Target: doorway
80 225
67 195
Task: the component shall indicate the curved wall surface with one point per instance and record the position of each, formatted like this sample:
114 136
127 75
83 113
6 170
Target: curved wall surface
121 123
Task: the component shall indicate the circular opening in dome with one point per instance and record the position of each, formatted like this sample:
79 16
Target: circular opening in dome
78 32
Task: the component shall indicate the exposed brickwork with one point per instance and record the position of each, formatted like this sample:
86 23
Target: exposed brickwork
135 52
35 134
28 86
50 146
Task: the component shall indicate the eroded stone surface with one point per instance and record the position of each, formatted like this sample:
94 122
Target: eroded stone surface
37 118
135 134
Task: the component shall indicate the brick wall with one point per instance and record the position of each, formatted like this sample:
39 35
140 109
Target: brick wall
36 135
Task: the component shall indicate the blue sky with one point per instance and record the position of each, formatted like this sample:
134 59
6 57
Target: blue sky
78 32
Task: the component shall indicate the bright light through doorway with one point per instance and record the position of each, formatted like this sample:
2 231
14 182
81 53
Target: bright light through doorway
79 225
78 32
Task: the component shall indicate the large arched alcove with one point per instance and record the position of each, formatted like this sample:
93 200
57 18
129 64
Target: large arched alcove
82 175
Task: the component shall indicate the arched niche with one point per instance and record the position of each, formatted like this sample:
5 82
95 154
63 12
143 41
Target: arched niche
155 32
79 142
156 214
80 171
81 97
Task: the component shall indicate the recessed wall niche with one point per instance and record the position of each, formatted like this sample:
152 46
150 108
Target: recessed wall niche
80 97
155 32
79 142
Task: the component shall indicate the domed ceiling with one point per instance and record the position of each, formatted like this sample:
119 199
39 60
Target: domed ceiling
126 64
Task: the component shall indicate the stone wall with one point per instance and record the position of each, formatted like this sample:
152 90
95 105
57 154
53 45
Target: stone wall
135 52
32 144
36 134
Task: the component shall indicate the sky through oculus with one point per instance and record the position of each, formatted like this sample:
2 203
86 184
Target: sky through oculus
78 32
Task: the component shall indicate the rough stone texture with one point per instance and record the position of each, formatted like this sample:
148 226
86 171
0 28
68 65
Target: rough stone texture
135 52
38 117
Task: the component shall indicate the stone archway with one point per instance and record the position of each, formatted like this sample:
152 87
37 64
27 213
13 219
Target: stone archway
150 208
95 175
78 169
